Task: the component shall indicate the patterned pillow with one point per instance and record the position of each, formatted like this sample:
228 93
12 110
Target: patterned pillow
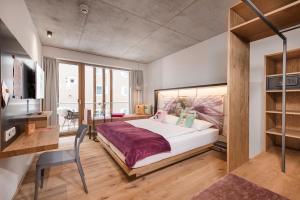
160 115
186 119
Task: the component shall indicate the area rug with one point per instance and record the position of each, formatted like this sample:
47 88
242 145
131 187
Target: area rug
232 187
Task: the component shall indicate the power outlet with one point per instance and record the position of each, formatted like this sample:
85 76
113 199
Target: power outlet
10 133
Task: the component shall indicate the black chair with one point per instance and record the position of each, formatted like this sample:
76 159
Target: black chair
55 158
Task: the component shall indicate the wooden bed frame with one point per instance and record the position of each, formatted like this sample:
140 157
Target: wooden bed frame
137 172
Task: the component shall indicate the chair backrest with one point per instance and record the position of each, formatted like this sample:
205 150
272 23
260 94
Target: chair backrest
81 132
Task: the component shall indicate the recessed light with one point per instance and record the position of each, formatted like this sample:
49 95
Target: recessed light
49 34
84 9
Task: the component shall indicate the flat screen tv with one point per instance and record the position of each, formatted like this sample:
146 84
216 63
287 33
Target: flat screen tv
29 82
24 80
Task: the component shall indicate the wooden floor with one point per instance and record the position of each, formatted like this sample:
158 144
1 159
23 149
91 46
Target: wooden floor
265 171
105 179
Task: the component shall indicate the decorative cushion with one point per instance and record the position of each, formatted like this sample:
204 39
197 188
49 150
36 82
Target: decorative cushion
201 124
147 109
171 119
160 115
186 119
139 109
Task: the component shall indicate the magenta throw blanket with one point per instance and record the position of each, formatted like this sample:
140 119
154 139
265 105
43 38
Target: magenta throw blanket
135 143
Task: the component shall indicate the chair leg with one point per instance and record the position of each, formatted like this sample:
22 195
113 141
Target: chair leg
37 181
42 178
82 175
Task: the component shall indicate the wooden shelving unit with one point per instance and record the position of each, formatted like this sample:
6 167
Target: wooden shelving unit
273 102
245 27
285 14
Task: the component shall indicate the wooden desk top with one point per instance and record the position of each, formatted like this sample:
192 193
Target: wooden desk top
42 140
33 117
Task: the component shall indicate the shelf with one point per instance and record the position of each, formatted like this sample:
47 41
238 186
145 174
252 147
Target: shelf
246 13
275 75
288 112
289 133
256 29
280 91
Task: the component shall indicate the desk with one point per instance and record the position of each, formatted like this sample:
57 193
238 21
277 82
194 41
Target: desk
41 120
42 140
95 121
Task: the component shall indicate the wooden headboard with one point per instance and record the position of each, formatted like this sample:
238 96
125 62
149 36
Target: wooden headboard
209 101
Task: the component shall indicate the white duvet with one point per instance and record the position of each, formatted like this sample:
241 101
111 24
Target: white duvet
163 129
181 139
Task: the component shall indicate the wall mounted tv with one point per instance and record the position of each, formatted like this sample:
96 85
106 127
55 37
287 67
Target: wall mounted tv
28 80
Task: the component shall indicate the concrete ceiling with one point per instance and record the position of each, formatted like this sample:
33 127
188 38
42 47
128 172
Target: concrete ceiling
139 30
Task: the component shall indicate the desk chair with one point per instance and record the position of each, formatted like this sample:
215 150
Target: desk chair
55 158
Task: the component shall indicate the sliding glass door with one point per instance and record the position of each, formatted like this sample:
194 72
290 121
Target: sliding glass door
102 90
120 91
106 90
68 97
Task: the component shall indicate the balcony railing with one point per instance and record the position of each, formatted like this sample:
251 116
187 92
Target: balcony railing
69 117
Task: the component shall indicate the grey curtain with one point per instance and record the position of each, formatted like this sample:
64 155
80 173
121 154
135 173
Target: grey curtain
136 89
51 88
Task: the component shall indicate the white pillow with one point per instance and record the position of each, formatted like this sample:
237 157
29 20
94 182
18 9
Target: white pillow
201 125
170 119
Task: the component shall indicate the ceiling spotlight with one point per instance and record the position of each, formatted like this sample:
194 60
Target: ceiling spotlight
84 9
49 34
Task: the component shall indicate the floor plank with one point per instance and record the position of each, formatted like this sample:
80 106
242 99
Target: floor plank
265 171
105 179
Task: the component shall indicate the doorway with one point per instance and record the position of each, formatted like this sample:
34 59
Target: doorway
68 107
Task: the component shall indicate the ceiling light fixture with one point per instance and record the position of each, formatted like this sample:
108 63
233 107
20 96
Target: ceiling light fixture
49 34
84 9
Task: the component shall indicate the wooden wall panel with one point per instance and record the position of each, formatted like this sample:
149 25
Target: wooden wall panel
238 102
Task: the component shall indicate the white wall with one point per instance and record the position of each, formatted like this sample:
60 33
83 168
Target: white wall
203 63
258 50
77 56
16 17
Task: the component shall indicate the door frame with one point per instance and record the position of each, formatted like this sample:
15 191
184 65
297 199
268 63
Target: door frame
81 87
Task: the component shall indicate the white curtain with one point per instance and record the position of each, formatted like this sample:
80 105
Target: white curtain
51 88
136 89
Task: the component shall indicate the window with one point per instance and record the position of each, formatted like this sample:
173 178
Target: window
111 90
99 90
120 91
124 91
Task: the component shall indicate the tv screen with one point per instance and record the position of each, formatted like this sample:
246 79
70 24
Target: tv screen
29 82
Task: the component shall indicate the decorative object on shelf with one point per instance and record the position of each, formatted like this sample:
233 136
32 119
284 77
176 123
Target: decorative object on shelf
5 95
220 146
117 115
139 109
147 109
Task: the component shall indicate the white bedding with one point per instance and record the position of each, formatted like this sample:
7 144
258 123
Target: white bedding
181 139
164 129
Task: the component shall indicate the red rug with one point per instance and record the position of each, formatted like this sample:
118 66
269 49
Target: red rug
232 187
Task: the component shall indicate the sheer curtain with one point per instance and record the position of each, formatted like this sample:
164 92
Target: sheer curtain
136 89
51 88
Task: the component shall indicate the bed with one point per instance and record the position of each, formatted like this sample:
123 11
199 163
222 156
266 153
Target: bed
184 143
